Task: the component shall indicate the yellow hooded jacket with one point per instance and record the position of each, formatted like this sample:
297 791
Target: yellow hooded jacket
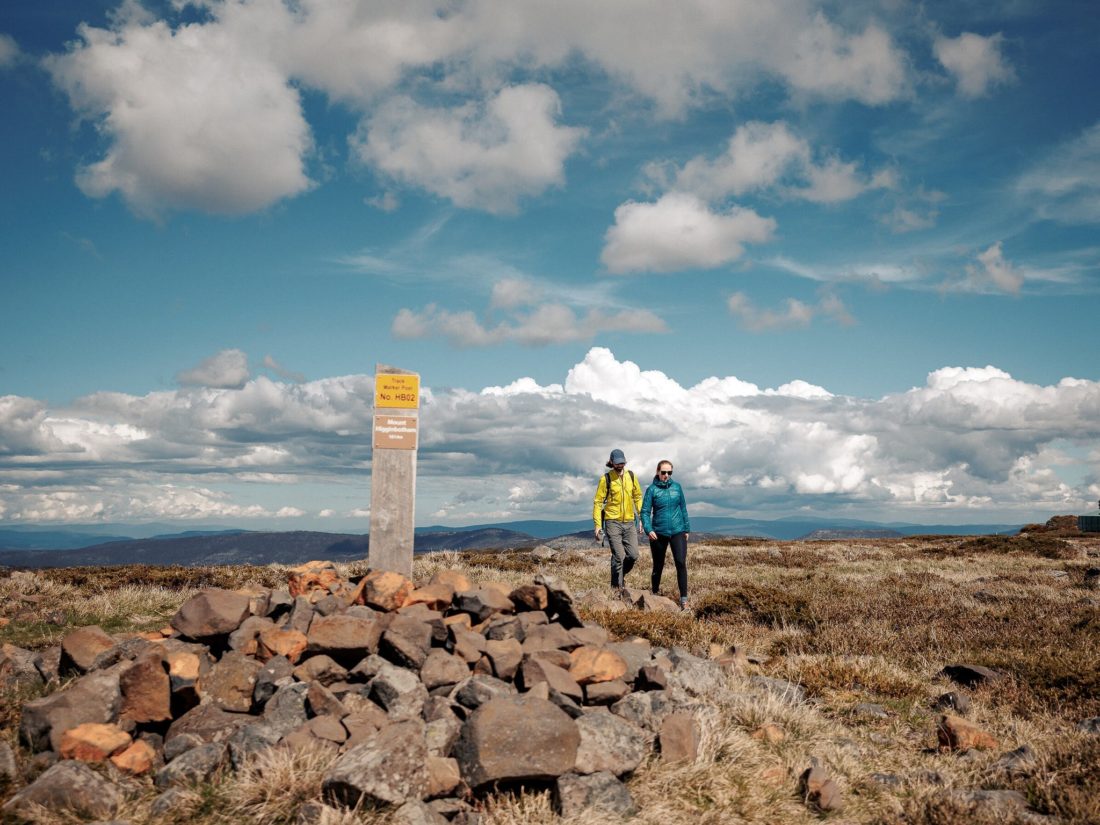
624 501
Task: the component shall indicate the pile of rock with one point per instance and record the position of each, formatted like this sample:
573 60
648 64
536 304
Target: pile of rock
426 697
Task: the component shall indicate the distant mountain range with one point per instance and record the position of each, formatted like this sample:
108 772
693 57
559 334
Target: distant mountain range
116 544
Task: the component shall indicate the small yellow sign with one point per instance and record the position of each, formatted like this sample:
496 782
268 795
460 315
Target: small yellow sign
401 391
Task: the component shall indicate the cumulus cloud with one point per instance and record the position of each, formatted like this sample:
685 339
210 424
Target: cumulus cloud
993 270
976 62
481 156
1065 185
227 369
195 120
969 442
769 155
679 231
795 314
9 51
205 114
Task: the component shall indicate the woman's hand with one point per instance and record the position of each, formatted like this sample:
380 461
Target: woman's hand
653 535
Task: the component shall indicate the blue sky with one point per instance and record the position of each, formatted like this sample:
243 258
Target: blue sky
835 258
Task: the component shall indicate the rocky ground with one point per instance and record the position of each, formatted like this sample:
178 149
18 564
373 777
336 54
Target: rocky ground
921 680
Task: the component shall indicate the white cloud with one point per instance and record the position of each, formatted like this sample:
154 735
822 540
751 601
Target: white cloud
9 51
227 369
970 443
679 231
481 156
769 155
547 324
796 313
205 114
195 119
281 371
993 270
975 61
1065 186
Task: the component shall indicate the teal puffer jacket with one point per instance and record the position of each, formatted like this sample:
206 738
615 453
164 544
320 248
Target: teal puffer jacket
664 509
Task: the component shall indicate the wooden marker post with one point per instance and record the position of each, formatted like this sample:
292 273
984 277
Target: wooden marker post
393 469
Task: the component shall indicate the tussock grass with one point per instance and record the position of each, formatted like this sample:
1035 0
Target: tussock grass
851 622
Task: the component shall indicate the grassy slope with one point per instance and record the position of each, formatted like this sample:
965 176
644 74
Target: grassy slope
851 621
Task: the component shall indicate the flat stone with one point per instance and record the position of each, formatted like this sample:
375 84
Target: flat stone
482 603
436 596
957 734
276 641
18 670
286 710
480 688
250 740
321 668
312 576
407 641
596 664
443 776
231 682
609 743
80 647
605 693
574 795
146 689
345 636
180 745
656 604
138 759
693 674
647 709
173 799
268 678
971 675
391 767
384 590
93 742
455 579
651 677
560 601
415 812
505 656
399 691
441 668
211 612
68 788
529 597
209 723
679 738
548 637
952 701
516 738
819 790
245 638
92 698
323 702
441 735
195 766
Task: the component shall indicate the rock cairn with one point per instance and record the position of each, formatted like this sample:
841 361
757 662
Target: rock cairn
427 697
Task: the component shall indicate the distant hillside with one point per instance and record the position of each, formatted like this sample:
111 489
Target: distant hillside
841 533
253 548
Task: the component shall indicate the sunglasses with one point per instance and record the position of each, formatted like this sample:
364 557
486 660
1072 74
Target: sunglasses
664 472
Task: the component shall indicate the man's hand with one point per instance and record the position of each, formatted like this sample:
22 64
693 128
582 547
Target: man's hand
599 535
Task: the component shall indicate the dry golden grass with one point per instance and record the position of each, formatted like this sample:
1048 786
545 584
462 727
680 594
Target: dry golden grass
851 622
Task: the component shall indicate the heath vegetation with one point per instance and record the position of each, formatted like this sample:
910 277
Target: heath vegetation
862 629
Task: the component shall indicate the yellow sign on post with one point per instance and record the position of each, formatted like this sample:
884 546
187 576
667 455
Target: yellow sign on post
397 391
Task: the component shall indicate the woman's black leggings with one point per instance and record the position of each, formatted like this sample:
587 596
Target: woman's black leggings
679 555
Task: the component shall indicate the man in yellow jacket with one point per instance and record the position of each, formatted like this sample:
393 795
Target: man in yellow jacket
615 510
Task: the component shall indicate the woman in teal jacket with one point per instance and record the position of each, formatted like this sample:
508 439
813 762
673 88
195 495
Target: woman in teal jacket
665 519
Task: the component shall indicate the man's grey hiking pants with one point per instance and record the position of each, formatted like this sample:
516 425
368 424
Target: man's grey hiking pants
623 538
